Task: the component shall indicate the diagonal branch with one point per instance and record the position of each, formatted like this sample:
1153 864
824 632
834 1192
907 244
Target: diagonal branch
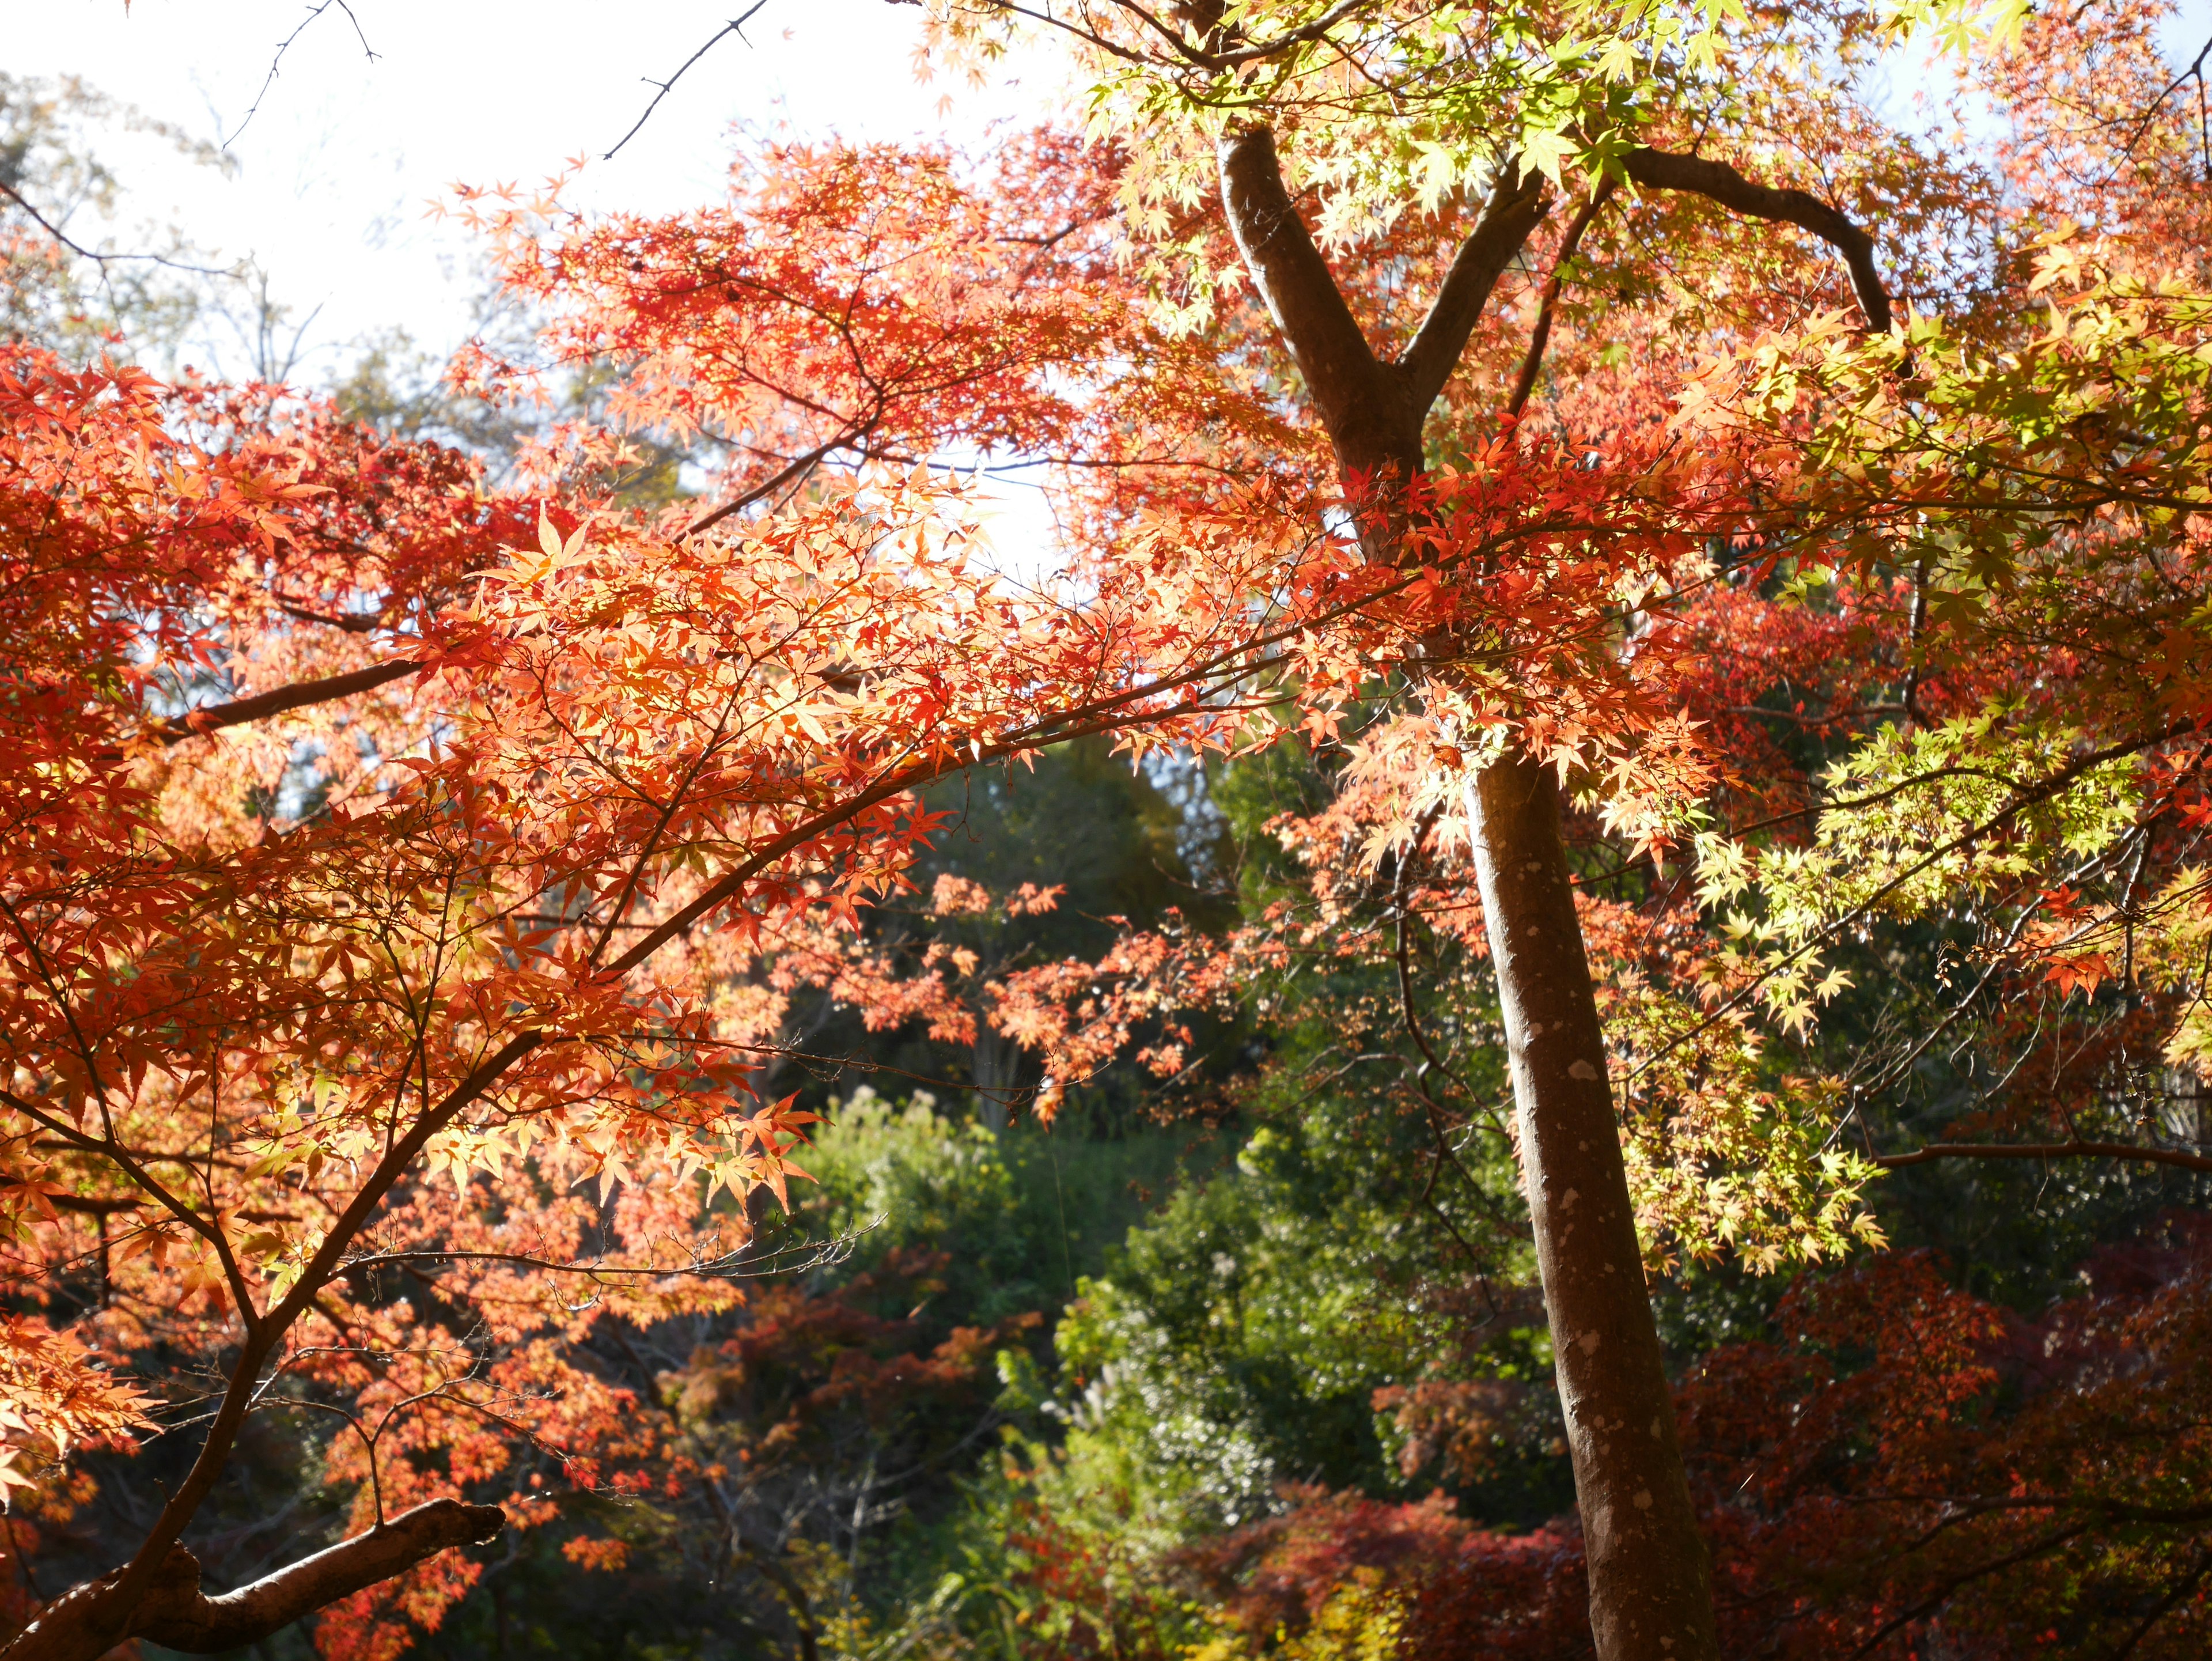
1541 337
1359 403
736 26
775 482
178 1616
1717 181
1373 410
297 695
1516 208
2166 1605
100 1613
285 45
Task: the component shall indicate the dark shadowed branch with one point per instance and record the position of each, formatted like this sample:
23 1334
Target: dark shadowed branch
1516 205
1717 181
1539 336
2067 1150
177 1615
298 695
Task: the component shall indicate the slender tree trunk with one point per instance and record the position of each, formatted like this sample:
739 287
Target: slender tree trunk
1650 1587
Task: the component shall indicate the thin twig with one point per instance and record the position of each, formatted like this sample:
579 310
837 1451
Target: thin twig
1540 336
735 26
2075 1148
98 258
285 45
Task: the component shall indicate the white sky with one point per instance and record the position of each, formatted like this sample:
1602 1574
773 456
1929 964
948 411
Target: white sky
336 169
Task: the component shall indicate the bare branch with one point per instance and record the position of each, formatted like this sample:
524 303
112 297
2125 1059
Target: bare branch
1374 412
736 26
2166 1605
2076 1149
770 486
2195 72
285 45
100 259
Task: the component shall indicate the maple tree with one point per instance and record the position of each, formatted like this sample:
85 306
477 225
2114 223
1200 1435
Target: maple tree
407 926
391 861
2046 482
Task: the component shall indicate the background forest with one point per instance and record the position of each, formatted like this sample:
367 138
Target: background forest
1161 1281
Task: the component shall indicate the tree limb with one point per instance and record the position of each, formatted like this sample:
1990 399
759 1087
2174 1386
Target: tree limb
1539 336
178 1616
298 695
1373 410
1718 182
2075 1149
736 26
1368 413
285 45
100 259
2165 1606
1516 208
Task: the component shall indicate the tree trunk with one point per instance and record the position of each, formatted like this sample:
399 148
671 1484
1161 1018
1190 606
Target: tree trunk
1650 1587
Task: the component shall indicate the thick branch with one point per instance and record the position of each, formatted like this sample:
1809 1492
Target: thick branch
1369 412
298 695
178 1616
1373 410
1517 207
1719 182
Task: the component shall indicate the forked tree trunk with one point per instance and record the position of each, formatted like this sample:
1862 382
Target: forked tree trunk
1649 1585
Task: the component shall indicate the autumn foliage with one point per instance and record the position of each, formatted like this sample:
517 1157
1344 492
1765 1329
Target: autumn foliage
1905 1465
408 884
